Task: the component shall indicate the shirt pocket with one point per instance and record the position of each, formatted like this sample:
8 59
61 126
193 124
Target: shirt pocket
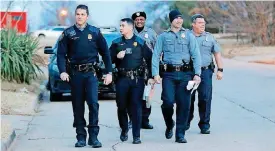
168 45
182 46
207 46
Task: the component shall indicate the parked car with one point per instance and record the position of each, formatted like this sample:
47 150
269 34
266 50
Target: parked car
49 32
57 87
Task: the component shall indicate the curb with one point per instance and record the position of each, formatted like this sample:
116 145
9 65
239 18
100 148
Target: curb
5 145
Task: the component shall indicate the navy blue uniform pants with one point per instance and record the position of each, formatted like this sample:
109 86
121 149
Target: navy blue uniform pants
204 99
129 92
84 86
145 113
174 91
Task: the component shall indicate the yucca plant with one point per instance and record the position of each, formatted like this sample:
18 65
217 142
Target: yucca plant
17 54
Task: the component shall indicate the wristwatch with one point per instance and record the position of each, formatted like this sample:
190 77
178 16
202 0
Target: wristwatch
220 69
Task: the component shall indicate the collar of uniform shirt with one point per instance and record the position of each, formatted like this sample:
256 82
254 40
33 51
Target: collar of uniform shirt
169 29
81 28
202 34
123 38
145 29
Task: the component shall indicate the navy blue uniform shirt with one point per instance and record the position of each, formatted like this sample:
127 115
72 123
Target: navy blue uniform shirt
135 51
82 47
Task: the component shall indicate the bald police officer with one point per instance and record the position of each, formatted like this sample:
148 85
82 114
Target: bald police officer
181 58
79 46
150 36
208 47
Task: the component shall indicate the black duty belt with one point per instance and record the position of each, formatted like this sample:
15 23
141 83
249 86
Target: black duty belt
211 67
173 68
84 67
130 73
207 67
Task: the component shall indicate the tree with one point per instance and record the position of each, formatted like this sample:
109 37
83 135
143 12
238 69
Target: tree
256 19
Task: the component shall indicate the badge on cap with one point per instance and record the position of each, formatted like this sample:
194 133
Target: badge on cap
182 35
135 44
146 35
90 36
137 13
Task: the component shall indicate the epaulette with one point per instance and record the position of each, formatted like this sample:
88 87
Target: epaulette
140 40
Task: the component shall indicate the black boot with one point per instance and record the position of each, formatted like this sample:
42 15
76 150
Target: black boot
80 143
147 126
170 123
136 140
124 135
205 131
169 131
181 140
93 141
93 133
81 137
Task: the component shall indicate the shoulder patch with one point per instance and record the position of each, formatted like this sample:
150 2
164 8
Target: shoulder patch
117 40
70 31
94 29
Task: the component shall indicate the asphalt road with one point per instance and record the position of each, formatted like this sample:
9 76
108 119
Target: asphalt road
243 118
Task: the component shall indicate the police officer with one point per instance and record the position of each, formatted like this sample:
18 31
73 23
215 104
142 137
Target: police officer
208 47
132 58
78 48
180 57
150 36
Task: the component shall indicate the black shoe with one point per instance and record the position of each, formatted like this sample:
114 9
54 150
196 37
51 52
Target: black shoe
136 140
124 136
169 131
205 131
80 143
187 126
130 124
181 140
94 143
147 126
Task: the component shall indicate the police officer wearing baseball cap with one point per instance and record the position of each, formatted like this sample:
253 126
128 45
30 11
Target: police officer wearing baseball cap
181 63
208 47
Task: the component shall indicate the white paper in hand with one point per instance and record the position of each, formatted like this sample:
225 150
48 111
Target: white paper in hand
146 94
192 85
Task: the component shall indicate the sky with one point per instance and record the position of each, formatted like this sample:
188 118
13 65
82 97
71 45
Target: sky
103 13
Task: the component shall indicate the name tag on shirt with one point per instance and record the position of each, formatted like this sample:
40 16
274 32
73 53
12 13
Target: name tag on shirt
128 51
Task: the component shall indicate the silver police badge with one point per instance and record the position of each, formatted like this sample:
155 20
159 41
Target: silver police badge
146 36
182 35
128 51
137 13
